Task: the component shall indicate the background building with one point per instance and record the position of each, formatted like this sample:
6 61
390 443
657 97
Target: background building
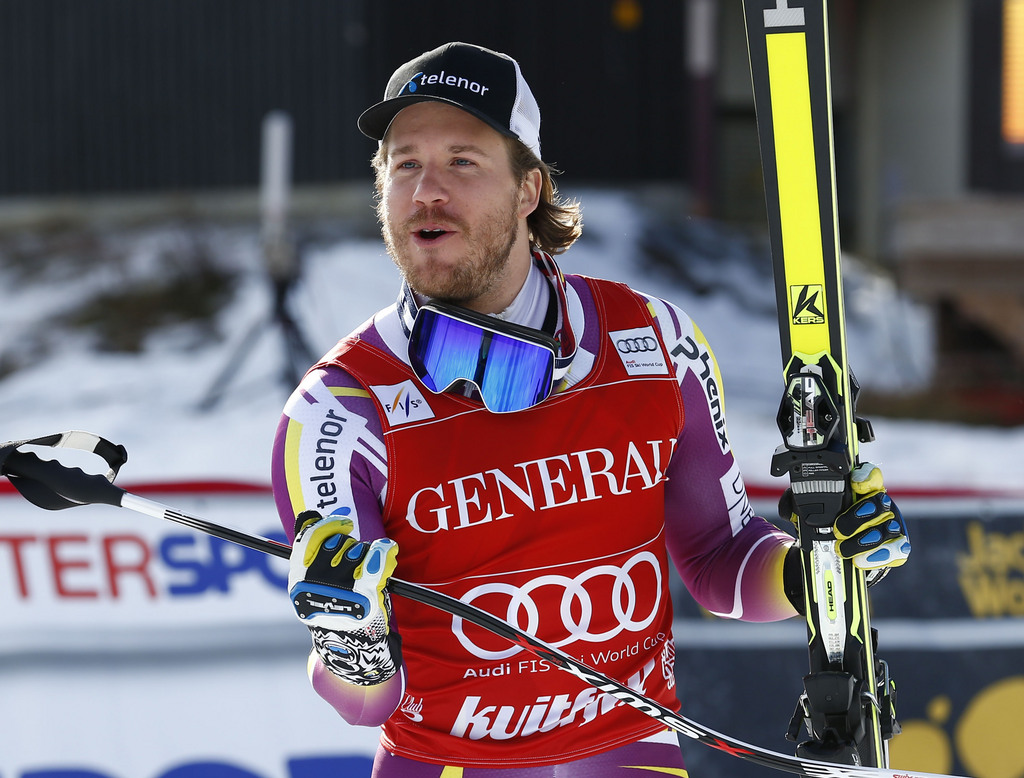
132 273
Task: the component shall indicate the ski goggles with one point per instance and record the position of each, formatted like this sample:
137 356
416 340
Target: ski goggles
512 367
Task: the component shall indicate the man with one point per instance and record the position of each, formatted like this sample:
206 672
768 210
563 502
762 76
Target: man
536 444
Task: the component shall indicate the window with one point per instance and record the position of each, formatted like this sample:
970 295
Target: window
1013 74
996 88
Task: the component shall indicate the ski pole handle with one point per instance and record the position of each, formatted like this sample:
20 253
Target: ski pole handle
54 486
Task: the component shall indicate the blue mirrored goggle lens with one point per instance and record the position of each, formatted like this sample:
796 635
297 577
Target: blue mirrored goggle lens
511 374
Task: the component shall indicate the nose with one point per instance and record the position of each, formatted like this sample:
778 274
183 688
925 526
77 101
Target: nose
430 189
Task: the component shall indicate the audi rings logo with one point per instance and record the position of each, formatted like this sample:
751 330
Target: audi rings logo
636 345
639 351
576 605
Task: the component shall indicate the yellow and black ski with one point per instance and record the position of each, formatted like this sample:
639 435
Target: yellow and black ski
846 706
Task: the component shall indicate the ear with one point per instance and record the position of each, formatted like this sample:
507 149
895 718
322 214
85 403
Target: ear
529 192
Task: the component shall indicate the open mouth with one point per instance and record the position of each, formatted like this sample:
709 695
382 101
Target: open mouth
431 234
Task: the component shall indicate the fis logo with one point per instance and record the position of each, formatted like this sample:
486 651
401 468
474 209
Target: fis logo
806 302
403 403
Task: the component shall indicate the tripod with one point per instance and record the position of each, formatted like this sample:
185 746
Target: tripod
281 260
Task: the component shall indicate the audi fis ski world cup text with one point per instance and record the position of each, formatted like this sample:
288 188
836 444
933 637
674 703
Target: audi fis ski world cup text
640 351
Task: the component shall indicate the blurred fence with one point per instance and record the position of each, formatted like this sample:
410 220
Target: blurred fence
122 96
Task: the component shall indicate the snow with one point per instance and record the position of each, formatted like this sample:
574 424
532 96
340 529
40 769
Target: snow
150 401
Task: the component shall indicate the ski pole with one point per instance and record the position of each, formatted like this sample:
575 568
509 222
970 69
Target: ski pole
54 486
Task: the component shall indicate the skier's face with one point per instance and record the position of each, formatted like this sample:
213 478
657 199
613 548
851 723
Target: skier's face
452 214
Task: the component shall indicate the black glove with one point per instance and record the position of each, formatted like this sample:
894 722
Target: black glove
871 532
337 586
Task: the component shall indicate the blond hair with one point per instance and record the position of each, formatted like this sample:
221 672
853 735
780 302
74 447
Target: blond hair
557 222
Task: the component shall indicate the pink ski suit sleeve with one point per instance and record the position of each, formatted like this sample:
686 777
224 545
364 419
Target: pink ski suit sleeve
729 559
328 456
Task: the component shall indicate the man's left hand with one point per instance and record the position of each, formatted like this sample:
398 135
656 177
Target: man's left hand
871 532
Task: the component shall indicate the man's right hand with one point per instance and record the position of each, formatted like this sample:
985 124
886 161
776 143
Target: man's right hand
338 588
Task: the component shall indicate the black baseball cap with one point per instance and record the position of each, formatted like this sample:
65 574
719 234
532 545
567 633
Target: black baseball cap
485 83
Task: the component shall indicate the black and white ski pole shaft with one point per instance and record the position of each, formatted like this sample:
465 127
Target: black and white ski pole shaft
54 486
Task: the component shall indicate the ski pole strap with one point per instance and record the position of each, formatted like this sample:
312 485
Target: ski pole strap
53 486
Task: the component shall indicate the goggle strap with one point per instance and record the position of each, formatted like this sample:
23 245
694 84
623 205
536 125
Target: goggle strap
566 336
407 308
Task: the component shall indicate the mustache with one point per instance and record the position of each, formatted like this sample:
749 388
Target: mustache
434 216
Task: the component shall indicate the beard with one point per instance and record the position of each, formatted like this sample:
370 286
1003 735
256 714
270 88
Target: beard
488 247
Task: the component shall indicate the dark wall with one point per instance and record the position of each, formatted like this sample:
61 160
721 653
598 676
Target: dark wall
122 95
